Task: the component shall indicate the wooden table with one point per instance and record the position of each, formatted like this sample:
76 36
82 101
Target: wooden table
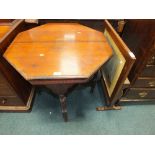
58 56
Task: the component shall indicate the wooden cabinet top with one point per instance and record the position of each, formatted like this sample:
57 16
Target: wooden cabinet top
58 50
3 30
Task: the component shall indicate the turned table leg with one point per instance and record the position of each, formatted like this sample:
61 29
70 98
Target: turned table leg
63 104
62 90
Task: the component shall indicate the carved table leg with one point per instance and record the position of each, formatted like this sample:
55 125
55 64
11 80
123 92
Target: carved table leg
63 107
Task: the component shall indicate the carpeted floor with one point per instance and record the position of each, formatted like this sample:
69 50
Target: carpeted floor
46 118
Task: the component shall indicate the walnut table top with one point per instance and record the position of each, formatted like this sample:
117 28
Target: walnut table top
58 50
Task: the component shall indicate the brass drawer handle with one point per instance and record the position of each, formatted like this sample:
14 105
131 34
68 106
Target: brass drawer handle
151 83
4 101
143 94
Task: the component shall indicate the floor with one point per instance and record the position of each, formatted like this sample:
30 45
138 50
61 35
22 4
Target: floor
45 117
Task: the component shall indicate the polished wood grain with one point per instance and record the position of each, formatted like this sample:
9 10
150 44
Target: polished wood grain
60 32
58 51
3 30
6 25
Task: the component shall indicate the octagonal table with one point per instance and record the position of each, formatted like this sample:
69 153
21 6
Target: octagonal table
58 56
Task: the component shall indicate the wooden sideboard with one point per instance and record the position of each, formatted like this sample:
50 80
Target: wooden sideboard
139 35
16 93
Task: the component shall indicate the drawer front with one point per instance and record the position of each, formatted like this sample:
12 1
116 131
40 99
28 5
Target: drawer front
3 81
140 93
10 101
6 90
145 82
148 71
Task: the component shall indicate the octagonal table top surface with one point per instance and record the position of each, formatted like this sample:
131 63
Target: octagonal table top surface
58 51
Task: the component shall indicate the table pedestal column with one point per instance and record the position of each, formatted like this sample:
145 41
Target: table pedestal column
62 91
63 107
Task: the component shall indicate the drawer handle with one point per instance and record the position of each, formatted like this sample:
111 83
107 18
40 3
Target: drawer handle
3 101
152 83
143 94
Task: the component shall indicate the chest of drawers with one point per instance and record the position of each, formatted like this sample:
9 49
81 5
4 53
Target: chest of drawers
139 35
